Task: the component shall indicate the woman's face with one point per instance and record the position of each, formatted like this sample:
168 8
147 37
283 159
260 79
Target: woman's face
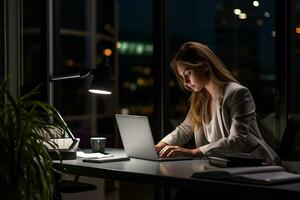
195 78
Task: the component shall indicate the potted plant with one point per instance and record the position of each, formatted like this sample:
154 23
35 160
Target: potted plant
26 170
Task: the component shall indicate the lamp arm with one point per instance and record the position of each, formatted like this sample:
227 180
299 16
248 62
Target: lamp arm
85 72
58 78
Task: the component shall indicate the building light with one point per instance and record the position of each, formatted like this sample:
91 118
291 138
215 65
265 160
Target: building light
107 52
107 27
147 71
139 49
255 3
123 47
243 16
140 82
259 22
273 33
118 45
70 62
149 48
267 14
237 11
134 48
298 30
126 84
133 87
172 83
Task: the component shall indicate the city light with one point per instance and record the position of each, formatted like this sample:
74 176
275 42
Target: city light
118 45
140 82
107 52
70 62
139 49
259 22
298 30
273 33
243 16
107 27
267 14
172 83
237 11
135 48
255 3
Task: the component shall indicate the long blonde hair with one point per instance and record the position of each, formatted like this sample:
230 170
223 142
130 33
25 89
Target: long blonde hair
194 54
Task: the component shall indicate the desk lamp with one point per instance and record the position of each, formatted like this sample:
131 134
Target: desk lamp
101 84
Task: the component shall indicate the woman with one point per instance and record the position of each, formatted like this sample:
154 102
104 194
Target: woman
222 114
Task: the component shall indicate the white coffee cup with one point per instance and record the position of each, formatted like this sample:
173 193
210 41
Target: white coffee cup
98 144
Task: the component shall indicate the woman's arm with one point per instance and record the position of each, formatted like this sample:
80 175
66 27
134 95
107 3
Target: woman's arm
241 113
181 135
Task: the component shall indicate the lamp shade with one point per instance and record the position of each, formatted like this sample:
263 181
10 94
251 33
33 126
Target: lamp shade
101 83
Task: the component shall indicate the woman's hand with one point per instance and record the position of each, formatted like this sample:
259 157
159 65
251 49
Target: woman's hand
171 151
159 146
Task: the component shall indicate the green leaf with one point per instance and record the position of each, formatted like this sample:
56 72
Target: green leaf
26 170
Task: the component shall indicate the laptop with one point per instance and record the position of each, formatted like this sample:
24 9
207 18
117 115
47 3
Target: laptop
137 138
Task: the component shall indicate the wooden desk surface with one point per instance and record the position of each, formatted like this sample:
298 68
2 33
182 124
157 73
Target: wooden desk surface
172 174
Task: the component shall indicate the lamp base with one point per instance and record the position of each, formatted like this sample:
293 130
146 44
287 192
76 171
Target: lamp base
62 154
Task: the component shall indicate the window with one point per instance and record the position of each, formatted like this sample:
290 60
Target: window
1 40
296 84
135 51
241 33
85 32
34 48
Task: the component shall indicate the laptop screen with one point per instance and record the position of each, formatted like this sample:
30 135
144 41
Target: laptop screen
136 136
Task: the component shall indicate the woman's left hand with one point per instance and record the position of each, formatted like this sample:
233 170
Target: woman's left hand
171 151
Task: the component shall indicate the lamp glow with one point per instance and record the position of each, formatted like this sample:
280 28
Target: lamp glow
99 91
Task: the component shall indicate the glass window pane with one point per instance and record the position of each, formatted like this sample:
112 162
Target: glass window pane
1 40
72 14
106 17
83 37
241 34
135 51
296 91
34 50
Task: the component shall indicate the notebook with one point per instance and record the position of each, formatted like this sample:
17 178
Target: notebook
137 138
264 175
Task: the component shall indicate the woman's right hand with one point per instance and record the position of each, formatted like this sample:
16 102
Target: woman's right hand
159 146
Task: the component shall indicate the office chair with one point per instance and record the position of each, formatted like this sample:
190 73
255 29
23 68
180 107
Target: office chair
290 143
268 133
70 186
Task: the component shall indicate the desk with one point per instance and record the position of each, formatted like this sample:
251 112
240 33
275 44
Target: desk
173 174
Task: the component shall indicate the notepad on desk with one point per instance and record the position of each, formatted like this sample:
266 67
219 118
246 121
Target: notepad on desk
92 155
100 157
264 175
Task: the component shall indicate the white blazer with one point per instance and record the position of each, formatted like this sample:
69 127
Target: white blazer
238 126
